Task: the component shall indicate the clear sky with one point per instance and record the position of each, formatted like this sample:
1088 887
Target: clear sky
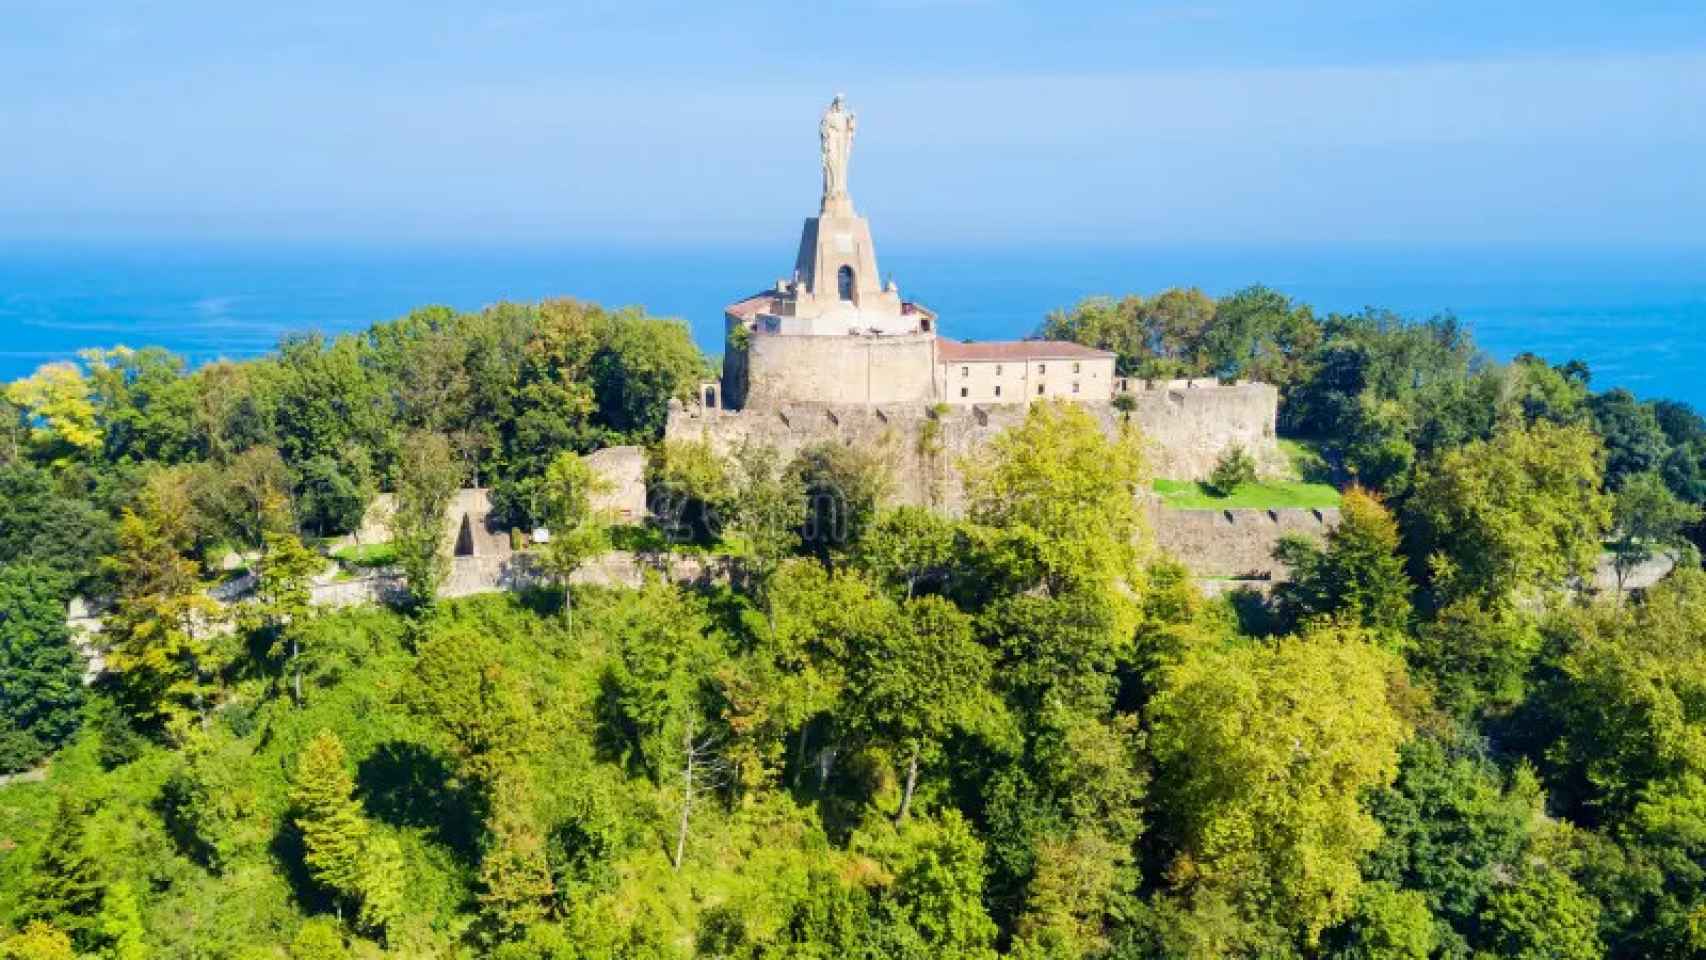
1566 123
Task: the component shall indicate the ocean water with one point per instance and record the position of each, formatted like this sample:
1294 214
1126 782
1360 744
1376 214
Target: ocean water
1638 320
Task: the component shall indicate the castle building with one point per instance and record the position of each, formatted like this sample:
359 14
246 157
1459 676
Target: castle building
833 333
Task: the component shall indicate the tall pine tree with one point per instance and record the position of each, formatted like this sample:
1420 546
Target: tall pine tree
334 832
68 891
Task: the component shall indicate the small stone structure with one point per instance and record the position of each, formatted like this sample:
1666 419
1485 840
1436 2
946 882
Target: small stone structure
623 470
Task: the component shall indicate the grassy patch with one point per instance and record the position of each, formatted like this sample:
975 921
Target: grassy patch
1307 463
1262 495
367 555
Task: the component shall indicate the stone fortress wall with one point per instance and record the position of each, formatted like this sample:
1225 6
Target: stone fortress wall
1187 426
836 370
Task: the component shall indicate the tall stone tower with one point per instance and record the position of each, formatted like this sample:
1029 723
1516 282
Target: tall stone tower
833 332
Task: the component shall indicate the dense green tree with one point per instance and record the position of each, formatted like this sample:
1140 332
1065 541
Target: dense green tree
159 644
463 686
905 546
843 486
324 809
41 523
917 685
1061 493
643 363
428 483
768 509
38 941
1358 574
1634 441
333 495
579 531
279 608
690 489
57 404
514 875
40 672
1517 512
66 887
120 925
1543 916
1263 754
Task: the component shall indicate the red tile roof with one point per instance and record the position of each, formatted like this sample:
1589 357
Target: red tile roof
955 351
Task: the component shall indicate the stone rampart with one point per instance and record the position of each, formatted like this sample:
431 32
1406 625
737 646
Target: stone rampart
1185 431
1238 542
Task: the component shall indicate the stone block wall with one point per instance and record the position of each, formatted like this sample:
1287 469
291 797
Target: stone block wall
1185 429
1235 543
778 369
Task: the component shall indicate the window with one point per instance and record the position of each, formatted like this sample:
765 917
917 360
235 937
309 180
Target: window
965 371
1042 368
844 282
1075 386
998 369
998 390
1039 389
962 391
1075 368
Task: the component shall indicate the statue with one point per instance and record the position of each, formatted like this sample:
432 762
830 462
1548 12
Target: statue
836 133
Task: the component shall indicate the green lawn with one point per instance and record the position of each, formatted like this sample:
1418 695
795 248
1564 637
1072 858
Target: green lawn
367 555
1186 495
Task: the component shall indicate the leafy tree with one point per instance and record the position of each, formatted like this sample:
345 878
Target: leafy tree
1388 924
120 925
280 607
66 888
1358 574
643 364
143 403
41 673
158 635
318 940
463 686
1454 826
768 509
578 531
56 399
934 907
1543 915
332 496
514 875
1634 441
427 484
918 684
1062 492
1621 703
1646 517
843 487
334 832
383 882
1520 511
1263 753
906 545
41 524
38 941
690 488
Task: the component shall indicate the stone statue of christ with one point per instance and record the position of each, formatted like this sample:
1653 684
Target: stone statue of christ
836 132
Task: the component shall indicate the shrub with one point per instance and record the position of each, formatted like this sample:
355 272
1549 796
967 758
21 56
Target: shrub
1235 469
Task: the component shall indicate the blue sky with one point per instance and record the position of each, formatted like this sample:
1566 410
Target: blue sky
1564 124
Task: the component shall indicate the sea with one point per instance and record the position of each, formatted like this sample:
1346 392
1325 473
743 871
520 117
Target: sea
1637 318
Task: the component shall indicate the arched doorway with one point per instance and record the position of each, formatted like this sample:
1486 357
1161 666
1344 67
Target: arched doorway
844 283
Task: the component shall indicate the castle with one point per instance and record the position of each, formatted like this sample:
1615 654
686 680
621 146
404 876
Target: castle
832 353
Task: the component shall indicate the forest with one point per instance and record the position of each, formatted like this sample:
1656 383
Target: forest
1021 732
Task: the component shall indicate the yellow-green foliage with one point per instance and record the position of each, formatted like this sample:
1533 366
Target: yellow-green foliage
1264 754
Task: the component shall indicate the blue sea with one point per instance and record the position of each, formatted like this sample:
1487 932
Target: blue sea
1637 319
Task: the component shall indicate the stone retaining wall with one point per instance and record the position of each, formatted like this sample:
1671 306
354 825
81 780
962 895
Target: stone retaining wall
1237 542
